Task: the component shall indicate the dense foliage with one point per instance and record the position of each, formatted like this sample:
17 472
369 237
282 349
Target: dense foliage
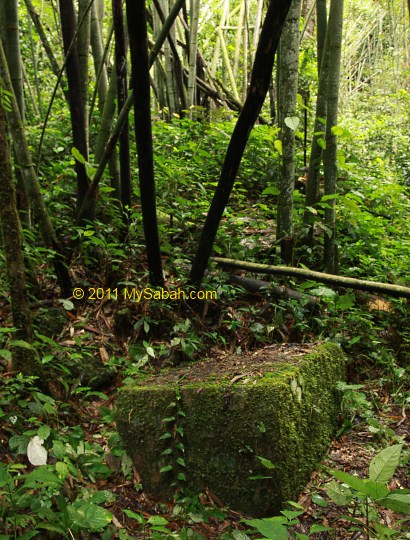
63 470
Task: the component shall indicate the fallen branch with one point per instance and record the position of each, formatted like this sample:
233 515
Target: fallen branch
278 291
340 281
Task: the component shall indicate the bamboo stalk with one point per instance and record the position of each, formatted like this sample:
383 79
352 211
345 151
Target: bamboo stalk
302 273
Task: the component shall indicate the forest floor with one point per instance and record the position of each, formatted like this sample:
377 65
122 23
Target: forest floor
351 452
91 330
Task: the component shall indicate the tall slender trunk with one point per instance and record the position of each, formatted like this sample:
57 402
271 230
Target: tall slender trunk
330 152
239 39
288 83
318 140
159 73
34 61
78 120
193 48
169 69
321 25
122 92
173 65
97 48
217 50
23 358
259 84
258 20
30 179
12 50
83 40
245 51
137 28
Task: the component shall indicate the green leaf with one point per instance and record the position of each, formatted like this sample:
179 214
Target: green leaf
383 465
278 146
165 469
292 122
319 500
346 301
337 130
339 494
270 190
135 516
88 515
19 443
67 304
272 528
78 156
240 535
51 527
28 535
316 528
169 419
396 501
43 475
383 532
158 521
353 481
4 353
323 292
43 432
62 470
21 343
266 463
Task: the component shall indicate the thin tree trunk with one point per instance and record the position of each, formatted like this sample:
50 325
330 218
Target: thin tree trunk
260 79
83 48
122 91
258 20
288 65
178 70
33 105
107 119
215 58
239 39
97 48
169 69
160 82
321 25
330 152
227 63
12 50
34 60
30 179
245 47
78 119
193 48
23 358
137 28
318 140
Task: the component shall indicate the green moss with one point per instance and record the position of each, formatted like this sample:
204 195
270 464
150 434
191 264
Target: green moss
286 415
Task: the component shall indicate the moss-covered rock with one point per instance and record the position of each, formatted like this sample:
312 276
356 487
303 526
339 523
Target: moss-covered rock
280 404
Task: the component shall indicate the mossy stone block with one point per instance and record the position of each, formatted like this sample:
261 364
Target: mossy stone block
280 403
